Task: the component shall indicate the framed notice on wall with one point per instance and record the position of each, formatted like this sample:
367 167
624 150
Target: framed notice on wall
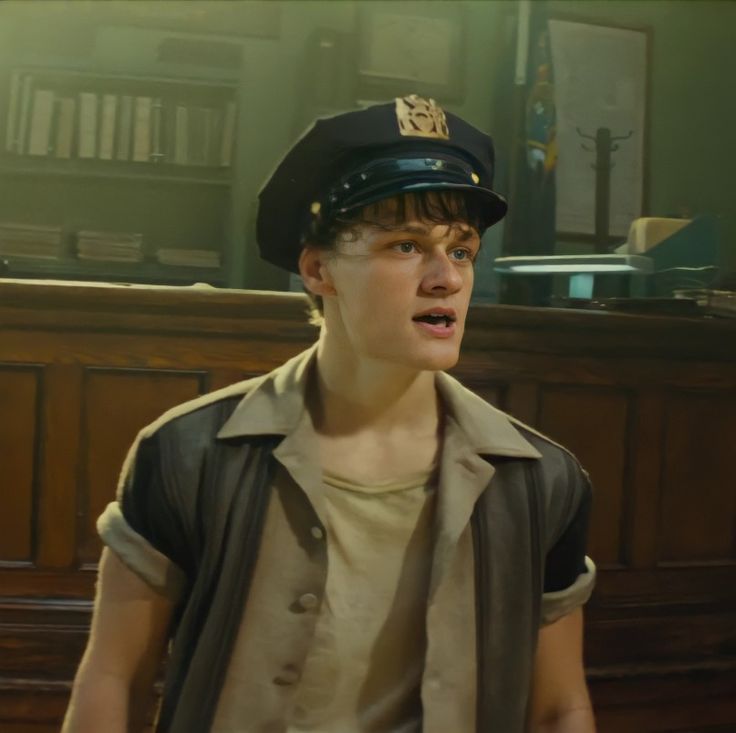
601 80
402 51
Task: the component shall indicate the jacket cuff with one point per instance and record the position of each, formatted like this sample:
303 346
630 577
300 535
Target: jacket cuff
559 603
139 555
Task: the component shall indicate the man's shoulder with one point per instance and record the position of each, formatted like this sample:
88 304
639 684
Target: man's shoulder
203 415
548 447
554 457
558 464
494 431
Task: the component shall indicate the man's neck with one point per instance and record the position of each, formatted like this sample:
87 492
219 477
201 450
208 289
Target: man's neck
356 395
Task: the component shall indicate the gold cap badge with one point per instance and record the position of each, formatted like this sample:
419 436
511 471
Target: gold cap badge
419 117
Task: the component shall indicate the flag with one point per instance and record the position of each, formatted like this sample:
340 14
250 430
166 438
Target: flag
531 227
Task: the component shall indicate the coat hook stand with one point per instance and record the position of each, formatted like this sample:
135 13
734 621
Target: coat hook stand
605 144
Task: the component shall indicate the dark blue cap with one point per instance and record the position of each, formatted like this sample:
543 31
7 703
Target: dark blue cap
357 158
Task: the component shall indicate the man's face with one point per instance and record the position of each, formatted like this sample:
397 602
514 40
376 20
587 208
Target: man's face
403 288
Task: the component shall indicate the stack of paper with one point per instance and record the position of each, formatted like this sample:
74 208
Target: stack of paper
189 257
30 240
109 246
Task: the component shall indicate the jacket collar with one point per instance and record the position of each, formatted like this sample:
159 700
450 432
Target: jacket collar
488 431
276 403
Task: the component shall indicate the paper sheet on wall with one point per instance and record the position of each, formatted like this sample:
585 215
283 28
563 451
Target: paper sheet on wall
600 81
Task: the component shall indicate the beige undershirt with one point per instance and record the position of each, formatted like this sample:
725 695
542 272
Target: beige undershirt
364 669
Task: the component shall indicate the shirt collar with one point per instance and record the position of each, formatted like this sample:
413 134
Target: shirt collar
276 402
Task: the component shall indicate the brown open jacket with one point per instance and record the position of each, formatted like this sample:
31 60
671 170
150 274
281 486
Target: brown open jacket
220 506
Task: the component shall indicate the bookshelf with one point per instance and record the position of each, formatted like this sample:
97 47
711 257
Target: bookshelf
115 177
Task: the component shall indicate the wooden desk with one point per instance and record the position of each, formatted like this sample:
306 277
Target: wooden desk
648 404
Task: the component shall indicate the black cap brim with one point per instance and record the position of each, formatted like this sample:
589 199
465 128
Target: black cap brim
493 209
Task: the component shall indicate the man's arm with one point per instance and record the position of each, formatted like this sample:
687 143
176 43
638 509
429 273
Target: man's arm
113 687
560 702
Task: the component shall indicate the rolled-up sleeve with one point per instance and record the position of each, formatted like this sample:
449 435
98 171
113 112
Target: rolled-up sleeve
139 555
139 526
569 574
556 604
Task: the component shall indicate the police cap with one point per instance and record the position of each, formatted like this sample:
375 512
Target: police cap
353 159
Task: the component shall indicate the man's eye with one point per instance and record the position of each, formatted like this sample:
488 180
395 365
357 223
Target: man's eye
405 247
462 255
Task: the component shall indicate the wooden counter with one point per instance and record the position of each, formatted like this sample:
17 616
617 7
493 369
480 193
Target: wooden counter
648 404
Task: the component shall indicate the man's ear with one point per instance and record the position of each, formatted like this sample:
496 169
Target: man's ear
314 271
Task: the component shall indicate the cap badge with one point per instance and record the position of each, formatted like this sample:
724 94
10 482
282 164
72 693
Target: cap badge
419 117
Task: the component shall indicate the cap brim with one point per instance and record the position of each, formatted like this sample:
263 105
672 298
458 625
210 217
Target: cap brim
494 210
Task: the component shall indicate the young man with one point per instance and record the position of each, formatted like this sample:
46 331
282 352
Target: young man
353 542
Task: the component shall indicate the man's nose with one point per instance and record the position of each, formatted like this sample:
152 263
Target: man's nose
441 274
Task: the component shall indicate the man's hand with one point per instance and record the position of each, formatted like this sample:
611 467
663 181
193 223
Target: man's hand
560 702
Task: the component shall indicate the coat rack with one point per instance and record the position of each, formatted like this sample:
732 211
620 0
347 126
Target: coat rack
605 144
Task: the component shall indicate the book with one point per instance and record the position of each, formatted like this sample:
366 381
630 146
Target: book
168 131
216 119
207 135
24 114
38 229
157 153
105 246
125 127
87 128
181 136
188 257
142 129
66 108
30 240
39 137
228 135
54 126
11 122
107 126
197 133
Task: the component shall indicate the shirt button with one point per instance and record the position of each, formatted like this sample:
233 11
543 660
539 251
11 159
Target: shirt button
308 601
287 676
317 533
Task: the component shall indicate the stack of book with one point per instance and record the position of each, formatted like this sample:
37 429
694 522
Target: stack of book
188 257
109 246
50 118
198 135
30 240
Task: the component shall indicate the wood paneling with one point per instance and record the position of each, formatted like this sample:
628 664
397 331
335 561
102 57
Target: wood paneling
522 401
58 462
698 513
646 466
19 395
672 638
592 423
490 392
116 404
682 702
219 378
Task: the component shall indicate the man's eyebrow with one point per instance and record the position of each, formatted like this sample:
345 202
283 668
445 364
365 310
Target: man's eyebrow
463 234
411 228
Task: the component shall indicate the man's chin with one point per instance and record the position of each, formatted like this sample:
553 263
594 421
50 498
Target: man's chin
438 357
429 356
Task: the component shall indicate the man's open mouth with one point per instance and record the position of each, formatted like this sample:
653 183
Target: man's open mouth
436 319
